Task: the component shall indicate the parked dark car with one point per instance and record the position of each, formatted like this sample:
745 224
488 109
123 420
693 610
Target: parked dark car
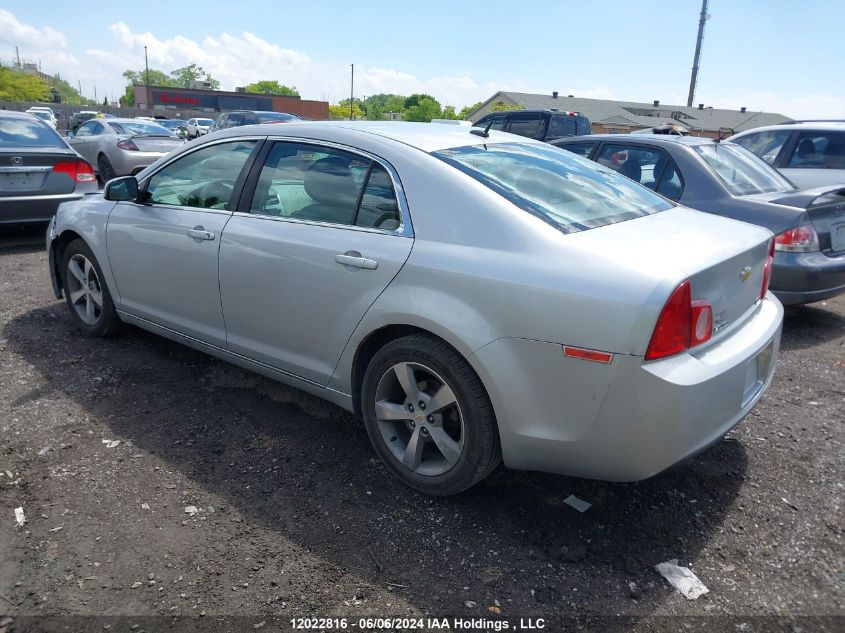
251 117
728 180
38 170
79 118
542 125
177 126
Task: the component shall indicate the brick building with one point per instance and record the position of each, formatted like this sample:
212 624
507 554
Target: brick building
190 102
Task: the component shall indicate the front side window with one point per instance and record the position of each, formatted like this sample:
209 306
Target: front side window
819 150
16 132
565 191
322 184
742 172
203 179
529 125
86 129
765 144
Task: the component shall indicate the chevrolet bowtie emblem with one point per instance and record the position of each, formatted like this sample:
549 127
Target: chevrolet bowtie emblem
744 274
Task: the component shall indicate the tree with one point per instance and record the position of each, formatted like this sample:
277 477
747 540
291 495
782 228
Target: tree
133 77
20 86
465 112
449 113
183 77
425 109
394 103
271 87
414 100
341 110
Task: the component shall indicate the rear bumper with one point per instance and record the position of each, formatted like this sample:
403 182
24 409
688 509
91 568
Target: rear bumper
33 209
807 277
627 420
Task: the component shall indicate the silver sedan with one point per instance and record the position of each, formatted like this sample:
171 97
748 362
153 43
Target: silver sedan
118 147
475 297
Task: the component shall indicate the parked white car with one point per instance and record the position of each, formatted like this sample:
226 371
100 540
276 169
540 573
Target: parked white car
809 153
198 127
45 114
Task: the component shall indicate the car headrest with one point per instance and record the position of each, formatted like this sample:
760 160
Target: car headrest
329 181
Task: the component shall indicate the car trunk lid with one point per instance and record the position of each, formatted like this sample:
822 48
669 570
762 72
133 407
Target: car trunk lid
32 172
723 259
159 144
825 209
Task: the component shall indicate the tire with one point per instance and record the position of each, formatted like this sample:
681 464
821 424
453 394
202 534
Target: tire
105 168
87 296
456 445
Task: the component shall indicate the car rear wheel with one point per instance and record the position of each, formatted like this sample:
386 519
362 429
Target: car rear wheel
105 168
428 416
86 293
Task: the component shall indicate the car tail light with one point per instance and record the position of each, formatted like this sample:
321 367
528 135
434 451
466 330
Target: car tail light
78 170
129 145
800 239
767 269
682 324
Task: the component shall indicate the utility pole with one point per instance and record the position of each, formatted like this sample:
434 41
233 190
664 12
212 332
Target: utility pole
351 92
704 17
95 94
18 57
147 66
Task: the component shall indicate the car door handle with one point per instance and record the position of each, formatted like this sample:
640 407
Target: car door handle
199 233
353 258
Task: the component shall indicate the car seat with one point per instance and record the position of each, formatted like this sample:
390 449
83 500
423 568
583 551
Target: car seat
329 182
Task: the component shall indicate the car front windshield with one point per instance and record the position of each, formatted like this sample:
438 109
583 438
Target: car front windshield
565 190
742 172
204 121
139 128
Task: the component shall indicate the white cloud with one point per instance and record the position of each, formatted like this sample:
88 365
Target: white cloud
45 45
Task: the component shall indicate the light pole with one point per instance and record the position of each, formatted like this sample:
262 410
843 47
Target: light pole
147 65
351 92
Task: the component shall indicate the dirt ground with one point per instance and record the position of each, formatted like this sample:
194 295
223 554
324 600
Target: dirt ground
294 516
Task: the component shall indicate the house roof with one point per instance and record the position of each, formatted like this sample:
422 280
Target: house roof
635 114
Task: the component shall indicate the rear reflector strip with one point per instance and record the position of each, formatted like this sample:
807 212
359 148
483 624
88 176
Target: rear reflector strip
587 354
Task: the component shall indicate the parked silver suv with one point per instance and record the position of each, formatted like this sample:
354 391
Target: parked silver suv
809 153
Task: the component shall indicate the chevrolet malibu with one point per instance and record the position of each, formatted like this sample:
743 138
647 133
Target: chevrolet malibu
474 296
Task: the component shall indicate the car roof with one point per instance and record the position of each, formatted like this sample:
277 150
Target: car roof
428 137
656 139
532 110
14 114
799 125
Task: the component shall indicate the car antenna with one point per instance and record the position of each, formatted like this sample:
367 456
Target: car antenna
485 132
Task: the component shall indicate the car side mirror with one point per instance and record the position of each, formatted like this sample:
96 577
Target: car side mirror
121 189
69 134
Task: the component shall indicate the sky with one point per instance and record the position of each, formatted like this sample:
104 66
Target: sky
774 55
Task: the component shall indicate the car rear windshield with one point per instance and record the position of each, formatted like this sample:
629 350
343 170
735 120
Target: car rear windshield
567 191
264 117
742 172
140 128
22 133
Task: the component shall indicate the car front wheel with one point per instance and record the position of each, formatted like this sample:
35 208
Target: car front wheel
86 293
428 416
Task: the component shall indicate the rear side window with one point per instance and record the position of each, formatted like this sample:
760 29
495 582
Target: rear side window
562 125
16 132
529 125
819 150
582 149
649 166
322 184
766 144
567 192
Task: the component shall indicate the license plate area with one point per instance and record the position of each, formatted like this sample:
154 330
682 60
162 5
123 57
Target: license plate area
837 237
21 181
756 371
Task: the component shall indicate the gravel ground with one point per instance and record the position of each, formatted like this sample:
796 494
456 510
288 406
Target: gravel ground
294 516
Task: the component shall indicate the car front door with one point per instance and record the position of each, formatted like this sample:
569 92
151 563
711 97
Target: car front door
163 249
305 256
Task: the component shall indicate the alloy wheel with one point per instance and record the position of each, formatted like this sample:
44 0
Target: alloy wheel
84 289
419 419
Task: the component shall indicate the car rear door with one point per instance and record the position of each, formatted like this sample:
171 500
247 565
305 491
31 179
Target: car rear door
163 250
320 233
814 158
649 165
